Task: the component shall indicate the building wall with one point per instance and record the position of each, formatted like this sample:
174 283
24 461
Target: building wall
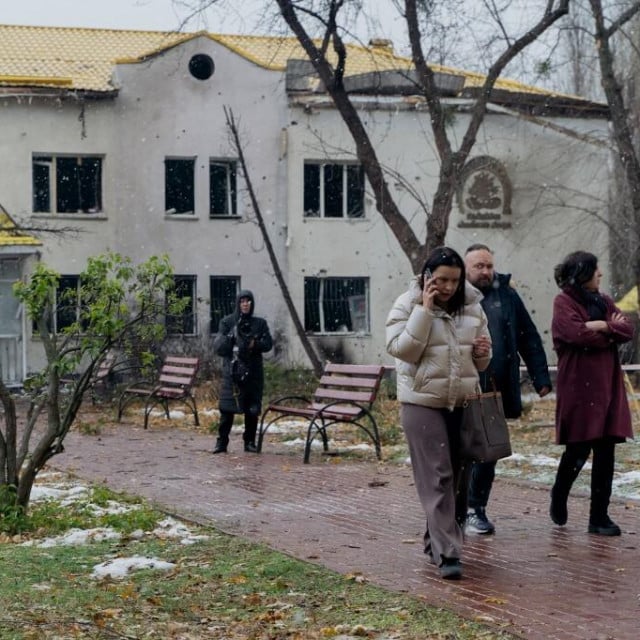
162 111
559 187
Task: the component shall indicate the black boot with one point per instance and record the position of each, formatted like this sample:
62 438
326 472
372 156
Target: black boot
568 470
221 446
601 482
249 447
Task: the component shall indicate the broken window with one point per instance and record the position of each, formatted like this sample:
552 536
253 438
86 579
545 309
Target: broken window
179 185
222 188
183 323
333 190
223 292
67 184
336 305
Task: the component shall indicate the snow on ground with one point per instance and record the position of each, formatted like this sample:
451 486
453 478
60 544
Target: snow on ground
55 486
119 568
76 537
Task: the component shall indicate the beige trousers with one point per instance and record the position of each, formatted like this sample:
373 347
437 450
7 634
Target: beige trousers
432 436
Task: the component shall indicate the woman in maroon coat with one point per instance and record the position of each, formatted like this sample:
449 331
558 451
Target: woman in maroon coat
592 412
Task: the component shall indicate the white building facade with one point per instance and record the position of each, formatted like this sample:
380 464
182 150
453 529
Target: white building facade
146 166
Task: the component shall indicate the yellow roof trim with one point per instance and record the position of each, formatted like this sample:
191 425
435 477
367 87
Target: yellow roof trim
177 40
31 80
10 235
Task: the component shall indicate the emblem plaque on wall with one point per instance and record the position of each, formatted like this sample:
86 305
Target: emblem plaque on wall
484 195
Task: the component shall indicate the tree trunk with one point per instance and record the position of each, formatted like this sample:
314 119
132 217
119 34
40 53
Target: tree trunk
302 335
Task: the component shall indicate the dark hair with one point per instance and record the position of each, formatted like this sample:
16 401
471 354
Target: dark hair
575 270
478 247
447 257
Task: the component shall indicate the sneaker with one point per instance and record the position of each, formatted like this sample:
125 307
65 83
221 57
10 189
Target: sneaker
477 522
605 527
450 568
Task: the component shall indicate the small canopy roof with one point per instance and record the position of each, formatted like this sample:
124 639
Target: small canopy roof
629 302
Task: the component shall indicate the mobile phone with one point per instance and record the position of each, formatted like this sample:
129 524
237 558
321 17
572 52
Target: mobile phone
427 274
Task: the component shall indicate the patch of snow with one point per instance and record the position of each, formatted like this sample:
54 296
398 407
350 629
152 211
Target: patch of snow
171 528
76 537
63 493
112 508
121 567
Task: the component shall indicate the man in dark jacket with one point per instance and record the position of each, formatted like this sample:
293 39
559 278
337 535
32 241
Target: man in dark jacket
242 339
513 336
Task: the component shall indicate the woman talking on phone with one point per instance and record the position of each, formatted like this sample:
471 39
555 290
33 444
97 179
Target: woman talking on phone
438 333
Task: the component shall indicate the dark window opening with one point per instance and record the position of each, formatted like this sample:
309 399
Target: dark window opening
312 190
179 185
222 189
42 184
336 305
223 293
201 66
183 323
74 184
333 190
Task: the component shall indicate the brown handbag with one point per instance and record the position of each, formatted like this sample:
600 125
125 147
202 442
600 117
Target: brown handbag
484 435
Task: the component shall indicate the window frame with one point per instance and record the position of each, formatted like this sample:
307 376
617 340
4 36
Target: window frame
321 204
216 314
187 323
230 195
169 209
350 306
86 182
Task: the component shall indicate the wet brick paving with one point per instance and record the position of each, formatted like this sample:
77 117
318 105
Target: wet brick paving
531 578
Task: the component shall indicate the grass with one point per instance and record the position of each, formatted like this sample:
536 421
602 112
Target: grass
221 587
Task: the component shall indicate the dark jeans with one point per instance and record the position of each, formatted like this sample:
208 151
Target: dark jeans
480 482
226 422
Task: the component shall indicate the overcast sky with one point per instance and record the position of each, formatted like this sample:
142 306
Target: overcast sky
112 14
239 16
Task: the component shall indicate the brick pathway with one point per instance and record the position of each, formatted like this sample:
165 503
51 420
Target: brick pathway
532 579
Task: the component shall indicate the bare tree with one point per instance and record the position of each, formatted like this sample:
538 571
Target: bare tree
433 28
606 30
327 13
302 335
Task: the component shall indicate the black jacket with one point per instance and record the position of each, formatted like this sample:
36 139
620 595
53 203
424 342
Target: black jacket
513 336
253 339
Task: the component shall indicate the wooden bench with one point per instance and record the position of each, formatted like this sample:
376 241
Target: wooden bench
175 383
100 377
345 394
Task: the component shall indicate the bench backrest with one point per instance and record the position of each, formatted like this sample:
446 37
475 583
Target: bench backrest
349 382
178 371
104 367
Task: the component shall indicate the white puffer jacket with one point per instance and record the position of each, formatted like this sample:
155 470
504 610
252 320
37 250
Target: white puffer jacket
434 364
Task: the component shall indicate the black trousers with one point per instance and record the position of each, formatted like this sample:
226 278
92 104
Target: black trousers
226 422
571 463
481 479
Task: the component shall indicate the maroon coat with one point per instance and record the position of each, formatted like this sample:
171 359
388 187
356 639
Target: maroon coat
591 397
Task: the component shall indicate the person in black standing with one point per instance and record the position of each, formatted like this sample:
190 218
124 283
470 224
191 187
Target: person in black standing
242 339
513 336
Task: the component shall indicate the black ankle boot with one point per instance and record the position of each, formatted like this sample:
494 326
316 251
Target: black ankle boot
249 447
568 470
558 507
604 527
221 446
